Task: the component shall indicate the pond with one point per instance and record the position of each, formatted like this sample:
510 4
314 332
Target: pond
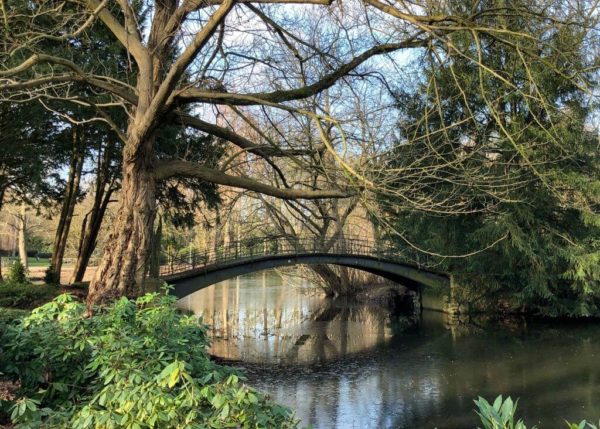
345 365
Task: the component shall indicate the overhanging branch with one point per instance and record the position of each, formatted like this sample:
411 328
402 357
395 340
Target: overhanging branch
238 140
191 95
168 169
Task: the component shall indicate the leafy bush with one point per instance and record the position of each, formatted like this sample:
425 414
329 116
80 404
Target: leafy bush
137 364
23 295
51 277
583 425
10 315
17 273
501 415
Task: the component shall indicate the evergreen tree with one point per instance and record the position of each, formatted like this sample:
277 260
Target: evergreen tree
532 231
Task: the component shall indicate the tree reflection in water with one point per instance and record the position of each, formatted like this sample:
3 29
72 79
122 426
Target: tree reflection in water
260 319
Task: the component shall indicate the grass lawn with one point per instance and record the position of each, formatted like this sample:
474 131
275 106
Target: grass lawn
33 262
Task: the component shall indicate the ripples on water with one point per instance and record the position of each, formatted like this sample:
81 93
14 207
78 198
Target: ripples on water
343 365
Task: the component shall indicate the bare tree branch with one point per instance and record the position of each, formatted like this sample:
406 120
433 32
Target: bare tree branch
280 96
169 169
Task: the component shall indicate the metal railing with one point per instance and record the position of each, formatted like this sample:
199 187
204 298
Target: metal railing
282 245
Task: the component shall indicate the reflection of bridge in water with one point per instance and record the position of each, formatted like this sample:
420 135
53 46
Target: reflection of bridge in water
201 269
269 317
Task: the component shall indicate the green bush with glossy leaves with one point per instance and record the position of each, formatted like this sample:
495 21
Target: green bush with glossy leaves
8 316
502 415
499 415
137 364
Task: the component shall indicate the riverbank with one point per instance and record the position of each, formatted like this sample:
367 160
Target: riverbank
27 295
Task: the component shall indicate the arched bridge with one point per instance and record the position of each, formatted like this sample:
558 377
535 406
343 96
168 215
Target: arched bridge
198 270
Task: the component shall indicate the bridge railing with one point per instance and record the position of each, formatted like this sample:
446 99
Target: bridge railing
277 245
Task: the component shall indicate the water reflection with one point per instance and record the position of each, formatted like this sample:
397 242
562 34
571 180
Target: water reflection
348 367
260 318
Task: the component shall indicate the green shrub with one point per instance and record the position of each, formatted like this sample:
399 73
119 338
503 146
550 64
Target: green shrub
137 364
501 415
9 316
51 277
583 425
17 273
23 295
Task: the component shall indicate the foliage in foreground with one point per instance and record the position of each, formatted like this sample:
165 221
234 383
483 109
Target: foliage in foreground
9 316
502 414
23 294
137 364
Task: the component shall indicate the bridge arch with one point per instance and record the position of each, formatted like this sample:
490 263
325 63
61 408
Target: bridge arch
206 269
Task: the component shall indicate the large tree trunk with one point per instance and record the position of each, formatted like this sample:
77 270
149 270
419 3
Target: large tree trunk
154 265
68 207
123 265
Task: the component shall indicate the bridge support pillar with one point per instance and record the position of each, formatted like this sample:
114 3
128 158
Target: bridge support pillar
444 300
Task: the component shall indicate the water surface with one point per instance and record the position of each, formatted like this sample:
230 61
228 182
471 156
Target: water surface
342 365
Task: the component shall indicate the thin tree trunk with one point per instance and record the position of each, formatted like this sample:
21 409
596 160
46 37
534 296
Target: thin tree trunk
330 279
82 242
218 235
334 284
22 240
93 220
121 271
2 193
68 207
90 230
